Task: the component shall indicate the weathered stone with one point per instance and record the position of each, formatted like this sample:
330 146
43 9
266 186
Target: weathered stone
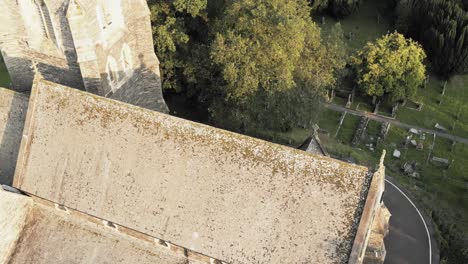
439 127
13 107
376 252
36 233
414 131
105 47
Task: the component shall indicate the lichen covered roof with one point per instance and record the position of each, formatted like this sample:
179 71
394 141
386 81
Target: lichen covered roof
35 233
228 196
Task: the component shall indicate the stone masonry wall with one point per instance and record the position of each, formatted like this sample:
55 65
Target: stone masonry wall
116 53
24 43
103 46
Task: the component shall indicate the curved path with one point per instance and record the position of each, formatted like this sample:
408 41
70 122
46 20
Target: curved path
380 118
409 240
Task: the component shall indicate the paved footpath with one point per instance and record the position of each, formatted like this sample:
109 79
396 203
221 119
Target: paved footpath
380 118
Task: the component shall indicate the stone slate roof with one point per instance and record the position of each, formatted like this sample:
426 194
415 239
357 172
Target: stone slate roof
32 232
228 196
313 145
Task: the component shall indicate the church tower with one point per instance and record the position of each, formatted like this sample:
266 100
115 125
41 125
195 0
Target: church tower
101 46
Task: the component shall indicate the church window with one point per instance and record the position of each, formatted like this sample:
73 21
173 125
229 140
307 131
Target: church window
126 58
112 72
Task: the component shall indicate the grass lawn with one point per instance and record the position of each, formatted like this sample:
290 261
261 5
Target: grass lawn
361 27
362 103
329 120
346 133
452 113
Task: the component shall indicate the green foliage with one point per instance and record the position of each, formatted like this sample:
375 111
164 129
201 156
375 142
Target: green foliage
441 26
338 8
273 64
392 65
341 8
319 5
176 24
4 77
452 241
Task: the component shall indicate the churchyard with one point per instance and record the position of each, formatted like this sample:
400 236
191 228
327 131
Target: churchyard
441 188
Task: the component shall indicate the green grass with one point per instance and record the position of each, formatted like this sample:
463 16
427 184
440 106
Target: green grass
362 103
4 77
328 120
362 25
373 129
350 123
340 101
445 188
452 113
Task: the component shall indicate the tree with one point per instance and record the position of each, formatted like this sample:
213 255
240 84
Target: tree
341 8
337 8
392 65
319 5
441 26
273 64
178 27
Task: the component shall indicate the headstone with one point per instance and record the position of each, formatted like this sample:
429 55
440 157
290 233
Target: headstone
439 160
348 104
420 146
394 110
440 127
414 131
396 153
410 167
414 142
445 86
407 141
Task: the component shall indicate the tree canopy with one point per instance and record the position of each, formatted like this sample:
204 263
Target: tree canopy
271 56
176 24
392 65
259 64
337 8
441 26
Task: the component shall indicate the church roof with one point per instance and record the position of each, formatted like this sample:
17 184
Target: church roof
228 196
37 233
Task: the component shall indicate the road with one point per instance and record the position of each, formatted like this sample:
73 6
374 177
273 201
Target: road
380 118
409 240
